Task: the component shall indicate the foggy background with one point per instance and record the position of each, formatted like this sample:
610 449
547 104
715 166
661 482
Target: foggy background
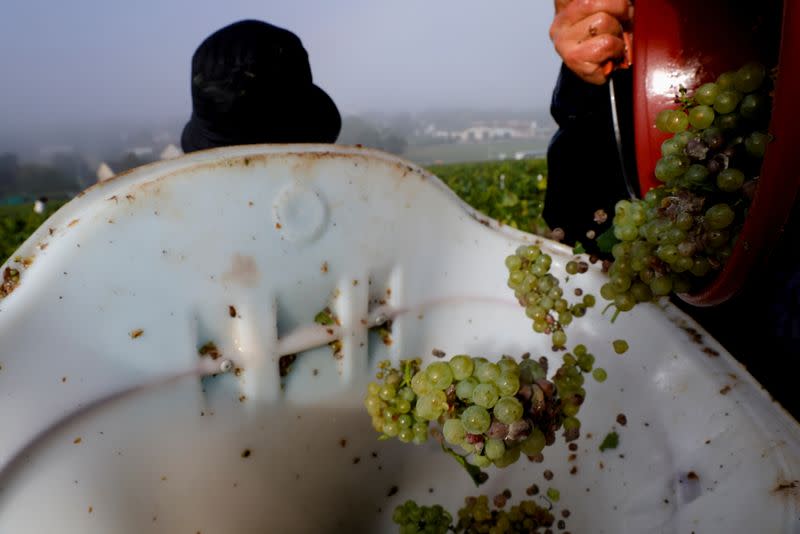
100 81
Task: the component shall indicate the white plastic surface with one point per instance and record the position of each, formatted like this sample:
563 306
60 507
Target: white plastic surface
271 235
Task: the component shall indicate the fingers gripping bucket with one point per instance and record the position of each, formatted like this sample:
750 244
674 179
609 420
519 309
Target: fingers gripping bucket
112 421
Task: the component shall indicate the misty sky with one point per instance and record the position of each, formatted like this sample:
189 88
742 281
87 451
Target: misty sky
85 60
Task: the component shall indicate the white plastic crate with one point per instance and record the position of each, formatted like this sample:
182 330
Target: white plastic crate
108 425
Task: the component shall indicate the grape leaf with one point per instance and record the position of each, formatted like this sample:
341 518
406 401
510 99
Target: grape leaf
611 441
607 240
578 248
475 473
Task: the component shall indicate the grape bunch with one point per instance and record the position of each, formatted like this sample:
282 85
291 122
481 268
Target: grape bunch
392 404
524 518
415 519
540 293
476 516
493 412
681 233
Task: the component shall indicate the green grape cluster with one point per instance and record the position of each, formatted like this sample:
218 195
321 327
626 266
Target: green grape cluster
540 293
493 412
415 519
524 518
681 233
392 403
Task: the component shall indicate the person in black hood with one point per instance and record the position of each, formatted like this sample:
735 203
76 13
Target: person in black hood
251 83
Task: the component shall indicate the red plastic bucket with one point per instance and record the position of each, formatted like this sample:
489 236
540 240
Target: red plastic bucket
687 43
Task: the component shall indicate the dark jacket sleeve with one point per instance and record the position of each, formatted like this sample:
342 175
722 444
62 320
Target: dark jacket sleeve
584 169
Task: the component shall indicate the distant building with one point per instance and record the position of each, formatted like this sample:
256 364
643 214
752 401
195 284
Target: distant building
104 172
142 152
39 205
171 152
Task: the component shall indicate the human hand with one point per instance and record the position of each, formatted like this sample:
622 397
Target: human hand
587 34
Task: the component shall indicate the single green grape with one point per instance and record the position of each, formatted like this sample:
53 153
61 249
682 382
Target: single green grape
730 180
701 117
476 419
508 366
754 107
624 301
513 262
559 338
695 175
508 383
620 346
661 285
572 267
727 101
485 395
465 388
454 432
670 148
494 449
719 216
387 392
486 372
402 406
756 144
600 374
507 410
706 94
406 435
431 405
530 371
420 383
553 494
391 428
439 375
511 455
534 443
749 77
677 122
726 80
571 423
662 119
461 366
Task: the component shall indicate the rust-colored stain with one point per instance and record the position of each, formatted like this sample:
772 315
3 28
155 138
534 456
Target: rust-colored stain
725 390
10 281
130 197
136 333
210 349
787 488
77 441
243 271
43 246
73 222
231 311
324 267
278 226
